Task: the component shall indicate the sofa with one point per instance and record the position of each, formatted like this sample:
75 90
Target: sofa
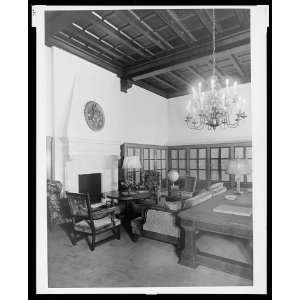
160 221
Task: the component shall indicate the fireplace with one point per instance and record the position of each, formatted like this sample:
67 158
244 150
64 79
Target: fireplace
90 183
91 157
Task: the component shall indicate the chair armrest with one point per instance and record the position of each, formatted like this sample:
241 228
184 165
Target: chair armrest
101 213
160 208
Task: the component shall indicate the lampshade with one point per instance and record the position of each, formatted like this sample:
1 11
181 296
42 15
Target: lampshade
131 162
238 167
173 176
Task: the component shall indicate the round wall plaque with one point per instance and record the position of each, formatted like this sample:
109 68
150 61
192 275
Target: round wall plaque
94 115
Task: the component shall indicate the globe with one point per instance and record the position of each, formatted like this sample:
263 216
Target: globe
173 176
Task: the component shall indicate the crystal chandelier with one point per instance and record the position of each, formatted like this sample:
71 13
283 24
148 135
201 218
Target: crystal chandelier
217 106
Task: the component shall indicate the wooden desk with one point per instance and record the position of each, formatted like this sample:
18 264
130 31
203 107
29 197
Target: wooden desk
202 219
127 199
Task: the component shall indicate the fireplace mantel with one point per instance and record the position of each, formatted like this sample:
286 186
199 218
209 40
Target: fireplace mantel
91 156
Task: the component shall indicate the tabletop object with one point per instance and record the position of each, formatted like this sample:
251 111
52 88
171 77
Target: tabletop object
233 210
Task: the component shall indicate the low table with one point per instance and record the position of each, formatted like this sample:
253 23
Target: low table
202 219
127 199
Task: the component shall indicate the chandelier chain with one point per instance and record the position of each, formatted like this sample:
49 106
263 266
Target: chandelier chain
214 42
218 106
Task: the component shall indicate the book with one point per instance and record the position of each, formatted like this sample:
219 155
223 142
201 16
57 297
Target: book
234 210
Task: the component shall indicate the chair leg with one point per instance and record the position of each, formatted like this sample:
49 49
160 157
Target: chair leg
74 238
92 247
118 232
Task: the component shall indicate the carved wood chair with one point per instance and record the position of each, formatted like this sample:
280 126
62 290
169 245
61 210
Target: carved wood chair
89 222
151 180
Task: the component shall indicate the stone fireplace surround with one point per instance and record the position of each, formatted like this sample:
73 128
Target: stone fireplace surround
84 156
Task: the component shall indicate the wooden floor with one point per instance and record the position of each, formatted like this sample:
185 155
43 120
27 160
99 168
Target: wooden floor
122 263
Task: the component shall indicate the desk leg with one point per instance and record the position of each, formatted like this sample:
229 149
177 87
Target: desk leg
127 219
188 254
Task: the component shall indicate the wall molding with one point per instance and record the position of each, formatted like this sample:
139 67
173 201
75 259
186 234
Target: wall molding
210 141
89 141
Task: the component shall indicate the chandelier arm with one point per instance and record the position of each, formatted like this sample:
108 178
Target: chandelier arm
215 107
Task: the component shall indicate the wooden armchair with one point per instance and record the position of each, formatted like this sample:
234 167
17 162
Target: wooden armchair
162 225
89 222
151 181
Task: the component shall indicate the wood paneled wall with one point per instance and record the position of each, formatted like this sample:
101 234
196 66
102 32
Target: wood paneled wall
207 162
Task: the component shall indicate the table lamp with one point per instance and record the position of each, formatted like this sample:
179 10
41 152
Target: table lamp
238 167
173 176
130 163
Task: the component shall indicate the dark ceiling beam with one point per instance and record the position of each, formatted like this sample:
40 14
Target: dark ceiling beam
141 22
180 93
206 20
76 32
224 47
237 65
243 16
116 33
83 53
186 17
173 25
61 20
199 76
181 79
209 12
125 84
151 15
127 17
66 18
166 83
181 25
151 88
218 71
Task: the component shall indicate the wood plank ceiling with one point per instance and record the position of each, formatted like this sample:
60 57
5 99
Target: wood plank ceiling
164 51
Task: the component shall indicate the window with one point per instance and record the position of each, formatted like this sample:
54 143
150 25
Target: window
219 158
198 163
155 159
178 161
244 152
161 162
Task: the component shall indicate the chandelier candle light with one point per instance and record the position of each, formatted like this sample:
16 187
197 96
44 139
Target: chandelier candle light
216 106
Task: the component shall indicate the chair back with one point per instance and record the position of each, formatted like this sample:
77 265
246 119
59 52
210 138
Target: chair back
152 180
190 184
80 204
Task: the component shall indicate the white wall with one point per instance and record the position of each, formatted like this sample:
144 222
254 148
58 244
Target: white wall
138 116
180 134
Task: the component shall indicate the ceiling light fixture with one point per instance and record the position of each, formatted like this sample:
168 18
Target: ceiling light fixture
217 106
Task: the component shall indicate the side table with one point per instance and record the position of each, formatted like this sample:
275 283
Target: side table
127 199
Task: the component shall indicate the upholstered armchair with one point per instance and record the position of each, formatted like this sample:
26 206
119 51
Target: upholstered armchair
160 221
57 207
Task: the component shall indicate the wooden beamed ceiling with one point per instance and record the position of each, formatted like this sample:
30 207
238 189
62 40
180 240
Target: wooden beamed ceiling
165 51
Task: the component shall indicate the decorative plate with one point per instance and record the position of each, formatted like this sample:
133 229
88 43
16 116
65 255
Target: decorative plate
94 115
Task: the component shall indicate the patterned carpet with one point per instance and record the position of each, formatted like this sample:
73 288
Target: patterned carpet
122 263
